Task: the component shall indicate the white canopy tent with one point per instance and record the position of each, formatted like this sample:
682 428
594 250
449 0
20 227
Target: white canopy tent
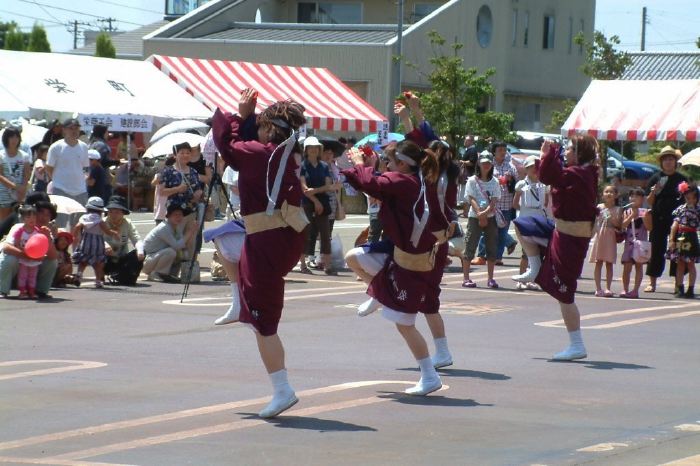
128 93
631 110
10 107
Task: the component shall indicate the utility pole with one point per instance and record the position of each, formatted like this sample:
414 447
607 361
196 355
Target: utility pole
397 64
644 27
75 34
109 23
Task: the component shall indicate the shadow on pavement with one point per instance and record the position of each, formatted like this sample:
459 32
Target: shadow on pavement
602 365
464 373
431 400
313 423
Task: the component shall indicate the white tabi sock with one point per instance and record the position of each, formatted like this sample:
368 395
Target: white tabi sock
235 297
429 379
441 348
427 371
280 383
576 339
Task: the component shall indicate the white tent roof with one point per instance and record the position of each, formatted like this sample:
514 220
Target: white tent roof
71 84
631 110
10 107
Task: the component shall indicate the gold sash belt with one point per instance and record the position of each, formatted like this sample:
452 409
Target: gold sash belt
578 229
288 215
423 262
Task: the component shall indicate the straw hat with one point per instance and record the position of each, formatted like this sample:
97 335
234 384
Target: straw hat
669 150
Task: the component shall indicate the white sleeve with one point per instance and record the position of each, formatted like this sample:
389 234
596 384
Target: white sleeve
84 157
470 191
496 192
520 185
53 153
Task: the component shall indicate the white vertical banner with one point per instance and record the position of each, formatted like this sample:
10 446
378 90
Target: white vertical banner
302 131
383 133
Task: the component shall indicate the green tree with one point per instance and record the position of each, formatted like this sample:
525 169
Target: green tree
603 61
15 39
455 105
559 116
38 42
7 26
104 47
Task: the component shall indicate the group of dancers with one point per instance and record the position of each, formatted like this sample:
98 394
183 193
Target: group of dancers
403 273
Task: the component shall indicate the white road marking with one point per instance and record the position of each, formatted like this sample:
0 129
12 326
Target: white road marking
74 366
602 447
560 323
688 427
689 461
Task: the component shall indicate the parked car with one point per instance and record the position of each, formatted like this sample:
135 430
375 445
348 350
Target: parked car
636 174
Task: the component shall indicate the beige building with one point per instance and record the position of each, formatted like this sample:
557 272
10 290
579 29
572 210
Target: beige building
528 42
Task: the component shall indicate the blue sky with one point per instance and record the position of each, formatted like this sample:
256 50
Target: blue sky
674 24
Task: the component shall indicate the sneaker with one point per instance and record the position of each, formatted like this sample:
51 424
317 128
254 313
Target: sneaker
479 261
167 278
305 270
4 295
278 405
368 307
423 388
23 295
76 281
532 286
99 284
499 263
331 272
468 284
520 286
571 353
41 295
492 284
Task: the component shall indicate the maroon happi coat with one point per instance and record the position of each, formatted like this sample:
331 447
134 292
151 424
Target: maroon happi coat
269 255
395 287
574 197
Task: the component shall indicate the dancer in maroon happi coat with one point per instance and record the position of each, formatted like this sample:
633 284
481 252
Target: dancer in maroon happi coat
263 150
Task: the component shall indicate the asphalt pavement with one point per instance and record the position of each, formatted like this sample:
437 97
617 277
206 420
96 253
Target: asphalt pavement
137 376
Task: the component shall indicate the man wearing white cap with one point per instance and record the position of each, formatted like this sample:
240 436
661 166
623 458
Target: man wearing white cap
97 180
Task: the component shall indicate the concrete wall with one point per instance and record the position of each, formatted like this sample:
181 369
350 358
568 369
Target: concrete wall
354 64
373 11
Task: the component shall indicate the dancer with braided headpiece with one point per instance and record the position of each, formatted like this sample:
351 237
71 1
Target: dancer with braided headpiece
264 151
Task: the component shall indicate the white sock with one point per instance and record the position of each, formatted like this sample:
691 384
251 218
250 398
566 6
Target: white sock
280 384
441 346
427 371
576 339
235 297
534 262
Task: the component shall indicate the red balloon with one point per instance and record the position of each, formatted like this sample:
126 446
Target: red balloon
36 246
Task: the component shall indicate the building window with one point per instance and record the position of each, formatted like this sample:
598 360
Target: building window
421 10
526 27
580 47
571 33
484 26
329 13
182 7
514 39
548 33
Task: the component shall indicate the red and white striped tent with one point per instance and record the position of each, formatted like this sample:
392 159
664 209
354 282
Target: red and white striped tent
638 111
330 104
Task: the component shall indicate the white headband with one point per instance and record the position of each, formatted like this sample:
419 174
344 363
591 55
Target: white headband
406 159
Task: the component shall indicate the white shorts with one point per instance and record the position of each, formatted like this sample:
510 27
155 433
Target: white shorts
371 262
397 317
230 245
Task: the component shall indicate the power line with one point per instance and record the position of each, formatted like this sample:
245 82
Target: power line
33 2
130 7
32 17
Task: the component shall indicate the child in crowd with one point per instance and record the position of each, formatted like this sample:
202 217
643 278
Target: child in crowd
531 198
89 243
683 242
40 177
64 272
636 225
482 193
28 268
604 249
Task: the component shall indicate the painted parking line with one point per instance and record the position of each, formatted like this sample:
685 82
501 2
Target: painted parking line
90 432
626 322
689 461
74 366
54 462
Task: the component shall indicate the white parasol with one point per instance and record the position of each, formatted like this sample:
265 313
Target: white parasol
66 205
165 145
179 126
691 158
